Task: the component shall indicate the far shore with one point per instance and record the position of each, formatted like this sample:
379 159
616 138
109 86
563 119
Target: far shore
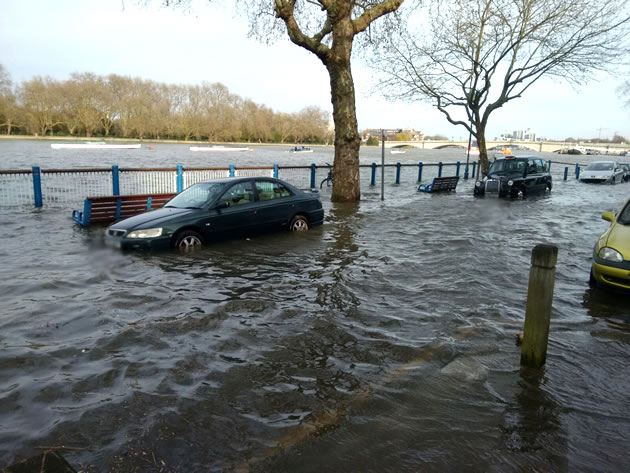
152 140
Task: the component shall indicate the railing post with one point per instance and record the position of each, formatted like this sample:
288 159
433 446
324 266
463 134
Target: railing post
232 170
577 171
542 277
549 165
457 170
313 171
37 186
474 169
440 169
180 178
115 180
566 172
275 171
397 173
373 179
420 171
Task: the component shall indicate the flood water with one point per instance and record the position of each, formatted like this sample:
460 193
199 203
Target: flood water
382 341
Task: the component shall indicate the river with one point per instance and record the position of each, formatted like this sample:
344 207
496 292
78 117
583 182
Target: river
382 341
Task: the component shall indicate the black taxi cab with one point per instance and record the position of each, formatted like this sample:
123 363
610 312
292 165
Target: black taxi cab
515 177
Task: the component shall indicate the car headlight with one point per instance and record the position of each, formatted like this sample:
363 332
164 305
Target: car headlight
478 184
510 183
610 255
146 233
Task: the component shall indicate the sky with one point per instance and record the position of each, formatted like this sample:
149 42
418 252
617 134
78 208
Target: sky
209 43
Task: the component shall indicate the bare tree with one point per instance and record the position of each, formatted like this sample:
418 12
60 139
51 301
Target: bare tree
473 56
326 28
10 112
624 91
43 101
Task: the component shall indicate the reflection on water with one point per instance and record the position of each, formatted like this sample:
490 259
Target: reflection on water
381 341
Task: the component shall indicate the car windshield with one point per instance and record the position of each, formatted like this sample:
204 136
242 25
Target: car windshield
196 196
507 166
600 167
624 215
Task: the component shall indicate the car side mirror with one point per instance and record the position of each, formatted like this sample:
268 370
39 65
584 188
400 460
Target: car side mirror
609 216
224 204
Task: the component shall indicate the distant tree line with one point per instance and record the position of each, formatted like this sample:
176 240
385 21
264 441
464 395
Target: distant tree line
616 139
129 107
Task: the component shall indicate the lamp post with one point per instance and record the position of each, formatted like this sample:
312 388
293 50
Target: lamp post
468 150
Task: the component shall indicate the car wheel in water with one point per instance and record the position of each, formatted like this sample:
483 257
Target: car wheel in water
188 240
591 279
298 224
518 192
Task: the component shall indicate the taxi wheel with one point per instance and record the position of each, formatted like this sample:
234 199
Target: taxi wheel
188 240
518 192
298 224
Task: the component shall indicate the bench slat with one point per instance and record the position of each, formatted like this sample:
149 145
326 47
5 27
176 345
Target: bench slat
441 184
105 209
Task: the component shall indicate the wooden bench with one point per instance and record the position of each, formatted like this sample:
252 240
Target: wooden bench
441 184
111 208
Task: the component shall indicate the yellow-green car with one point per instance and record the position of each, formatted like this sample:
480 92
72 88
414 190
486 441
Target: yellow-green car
611 256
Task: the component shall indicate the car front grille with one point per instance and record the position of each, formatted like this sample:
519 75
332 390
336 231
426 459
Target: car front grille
493 185
593 180
618 281
116 233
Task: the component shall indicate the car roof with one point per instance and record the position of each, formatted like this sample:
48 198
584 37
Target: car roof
241 178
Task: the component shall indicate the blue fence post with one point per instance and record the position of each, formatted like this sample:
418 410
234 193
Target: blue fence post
232 170
275 171
180 178
313 171
397 173
566 172
457 170
549 165
373 180
440 169
37 186
420 171
577 170
115 180
118 209
474 169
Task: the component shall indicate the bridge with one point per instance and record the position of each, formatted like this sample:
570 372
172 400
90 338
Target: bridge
540 146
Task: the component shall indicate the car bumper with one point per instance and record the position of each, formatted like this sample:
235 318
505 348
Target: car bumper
147 244
611 276
596 180
316 217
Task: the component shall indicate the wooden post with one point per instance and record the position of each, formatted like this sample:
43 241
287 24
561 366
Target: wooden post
542 276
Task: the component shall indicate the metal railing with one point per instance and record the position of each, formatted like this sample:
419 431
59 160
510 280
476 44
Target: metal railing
51 187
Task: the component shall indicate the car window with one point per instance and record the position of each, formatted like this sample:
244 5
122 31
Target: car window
239 194
268 190
624 215
603 166
540 166
531 166
506 166
196 196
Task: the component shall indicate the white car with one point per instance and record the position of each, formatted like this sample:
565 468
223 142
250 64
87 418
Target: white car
602 172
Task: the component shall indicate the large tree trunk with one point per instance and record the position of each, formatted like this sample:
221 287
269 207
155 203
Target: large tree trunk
483 148
347 186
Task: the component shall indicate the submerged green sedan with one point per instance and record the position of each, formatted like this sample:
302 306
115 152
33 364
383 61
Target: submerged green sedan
211 210
611 257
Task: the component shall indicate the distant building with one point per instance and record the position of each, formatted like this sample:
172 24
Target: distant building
390 134
520 135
